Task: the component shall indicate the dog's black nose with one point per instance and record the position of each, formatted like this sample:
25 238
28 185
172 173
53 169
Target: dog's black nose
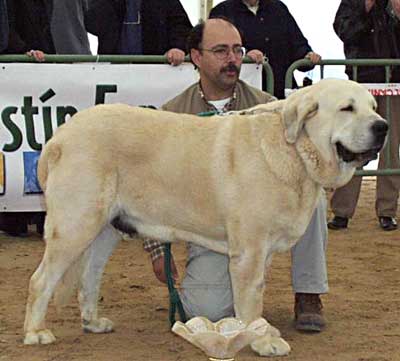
380 128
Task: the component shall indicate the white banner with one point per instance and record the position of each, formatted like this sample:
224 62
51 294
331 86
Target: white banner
36 98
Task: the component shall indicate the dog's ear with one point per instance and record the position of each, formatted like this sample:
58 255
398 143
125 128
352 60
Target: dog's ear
298 107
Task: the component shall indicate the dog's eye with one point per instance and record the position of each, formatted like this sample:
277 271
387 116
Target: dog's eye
349 108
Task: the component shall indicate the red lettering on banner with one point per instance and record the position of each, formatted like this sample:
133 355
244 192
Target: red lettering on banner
390 90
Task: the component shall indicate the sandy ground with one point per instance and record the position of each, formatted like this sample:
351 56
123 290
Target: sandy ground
362 308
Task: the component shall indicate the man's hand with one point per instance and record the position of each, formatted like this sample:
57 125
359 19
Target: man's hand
175 56
37 54
396 7
369 4
158 269
256 55
314 57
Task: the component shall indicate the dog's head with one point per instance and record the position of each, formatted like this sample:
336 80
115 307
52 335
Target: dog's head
335 127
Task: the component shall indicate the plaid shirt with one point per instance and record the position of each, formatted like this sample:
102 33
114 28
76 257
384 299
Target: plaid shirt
155 248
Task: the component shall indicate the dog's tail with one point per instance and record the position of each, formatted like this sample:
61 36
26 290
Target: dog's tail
48 159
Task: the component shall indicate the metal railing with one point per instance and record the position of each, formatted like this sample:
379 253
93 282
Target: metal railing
121 59
355 63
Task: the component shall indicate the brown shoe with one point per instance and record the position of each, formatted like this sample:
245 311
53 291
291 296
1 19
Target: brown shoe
308 313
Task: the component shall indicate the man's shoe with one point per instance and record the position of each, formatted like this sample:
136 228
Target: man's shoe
308 313
388 223
338 223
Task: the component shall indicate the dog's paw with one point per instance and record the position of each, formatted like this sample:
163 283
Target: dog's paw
43 337
273 331
271 345
101 325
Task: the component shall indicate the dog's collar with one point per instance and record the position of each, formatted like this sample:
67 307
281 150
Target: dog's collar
210 107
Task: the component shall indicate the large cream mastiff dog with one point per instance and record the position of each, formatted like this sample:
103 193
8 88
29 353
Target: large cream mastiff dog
245 185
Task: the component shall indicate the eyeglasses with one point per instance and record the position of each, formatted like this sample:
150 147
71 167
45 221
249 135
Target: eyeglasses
222 52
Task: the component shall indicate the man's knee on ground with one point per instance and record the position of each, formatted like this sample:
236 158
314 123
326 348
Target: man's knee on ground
212 304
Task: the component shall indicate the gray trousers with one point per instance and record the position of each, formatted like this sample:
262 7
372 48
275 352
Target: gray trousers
206 288
344 200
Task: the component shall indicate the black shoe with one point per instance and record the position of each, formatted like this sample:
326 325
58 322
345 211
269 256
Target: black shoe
388 223
308 313
338 223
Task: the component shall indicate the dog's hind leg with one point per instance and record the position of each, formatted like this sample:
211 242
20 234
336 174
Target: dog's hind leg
54 264
41 288
79 198
68 234
96 257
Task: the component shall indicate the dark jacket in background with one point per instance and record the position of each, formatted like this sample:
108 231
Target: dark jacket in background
29 26
272 30
368 35
3 25
52 26
165 25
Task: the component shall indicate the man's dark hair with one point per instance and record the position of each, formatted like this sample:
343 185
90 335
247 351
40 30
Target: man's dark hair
195 36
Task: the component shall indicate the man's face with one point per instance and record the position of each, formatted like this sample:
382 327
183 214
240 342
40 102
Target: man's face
219 59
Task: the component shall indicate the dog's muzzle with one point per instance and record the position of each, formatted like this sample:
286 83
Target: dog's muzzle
379 130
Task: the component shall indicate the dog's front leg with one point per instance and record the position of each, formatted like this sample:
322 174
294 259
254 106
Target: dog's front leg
247 269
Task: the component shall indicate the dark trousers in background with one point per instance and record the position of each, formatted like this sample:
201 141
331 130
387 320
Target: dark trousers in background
16 223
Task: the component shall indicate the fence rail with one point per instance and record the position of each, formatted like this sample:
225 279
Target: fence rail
121 59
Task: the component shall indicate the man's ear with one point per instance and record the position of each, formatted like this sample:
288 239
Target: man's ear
298 107
195 56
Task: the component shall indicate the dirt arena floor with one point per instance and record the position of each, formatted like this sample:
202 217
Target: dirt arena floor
362 308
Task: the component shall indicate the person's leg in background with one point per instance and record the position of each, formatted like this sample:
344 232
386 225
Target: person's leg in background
387 187
38 219
206 287
309 273
343 203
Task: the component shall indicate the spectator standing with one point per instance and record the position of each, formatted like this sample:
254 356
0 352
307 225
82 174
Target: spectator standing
140 27
52 27
216 50
371 29
269 30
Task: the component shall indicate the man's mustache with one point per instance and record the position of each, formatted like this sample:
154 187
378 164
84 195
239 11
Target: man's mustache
230 67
